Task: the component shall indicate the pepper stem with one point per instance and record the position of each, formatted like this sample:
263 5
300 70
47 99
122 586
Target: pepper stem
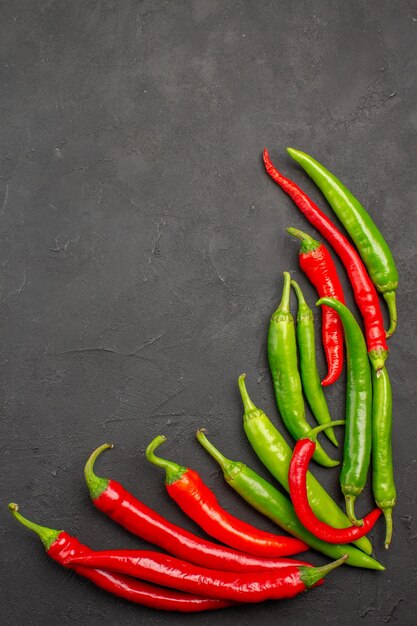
312 434
47 535
308 244
284 305
96 485
389 297
214 452
299 293
388 523
310 576
173 471
247 402
350 510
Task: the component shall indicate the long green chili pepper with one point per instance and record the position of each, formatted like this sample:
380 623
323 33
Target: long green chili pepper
274 452
273 504
358 432
308 366
383 485
370 243
282 356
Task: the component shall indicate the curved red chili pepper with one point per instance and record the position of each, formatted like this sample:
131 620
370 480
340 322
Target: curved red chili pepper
193 496
120 505
297 476
234 586
62 548
317 264
363 288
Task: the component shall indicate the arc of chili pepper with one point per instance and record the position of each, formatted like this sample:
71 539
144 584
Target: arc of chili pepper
193 496
297 475
358 434
273 504
62 547
275 454
282 358
364 291
383 485
319 267
369 241
308 365
232 586
124 508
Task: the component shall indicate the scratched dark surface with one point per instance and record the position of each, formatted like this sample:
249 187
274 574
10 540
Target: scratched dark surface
141 254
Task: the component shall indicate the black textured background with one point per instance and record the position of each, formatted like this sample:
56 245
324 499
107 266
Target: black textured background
141 253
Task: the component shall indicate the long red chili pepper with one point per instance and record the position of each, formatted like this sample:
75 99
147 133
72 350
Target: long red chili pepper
363 288
317 264
297 476
193 496
114 500
234 586
62 547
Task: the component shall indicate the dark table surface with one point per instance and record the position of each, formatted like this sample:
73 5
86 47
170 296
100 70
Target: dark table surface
142 250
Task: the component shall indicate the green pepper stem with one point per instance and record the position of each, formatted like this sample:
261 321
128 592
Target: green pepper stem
312 434
310 576
284 305
47 535
299 293
173 471
214 452
96 485
388 523
350 510
308 244
389 297
247 402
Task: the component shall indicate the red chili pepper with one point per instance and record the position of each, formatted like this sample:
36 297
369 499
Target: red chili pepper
319 267
111 498
188 490
235 586
363 288
297 475
62 548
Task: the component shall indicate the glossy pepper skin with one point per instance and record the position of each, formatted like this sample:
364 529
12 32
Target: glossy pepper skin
282 357
383 485
368 239
308 365
230 586
358 432
197 501
121 506
273 504
275 454
364 291
318 266
297 475
62 548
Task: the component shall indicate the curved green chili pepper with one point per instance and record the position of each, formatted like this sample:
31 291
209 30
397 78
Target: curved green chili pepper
383 485
273 504
274 452
282 356
358 432
308 366
370 243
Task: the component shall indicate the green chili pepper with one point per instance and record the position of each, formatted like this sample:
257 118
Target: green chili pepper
383 485
274 452
282 356
370 243
358 432
273 504
308 366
